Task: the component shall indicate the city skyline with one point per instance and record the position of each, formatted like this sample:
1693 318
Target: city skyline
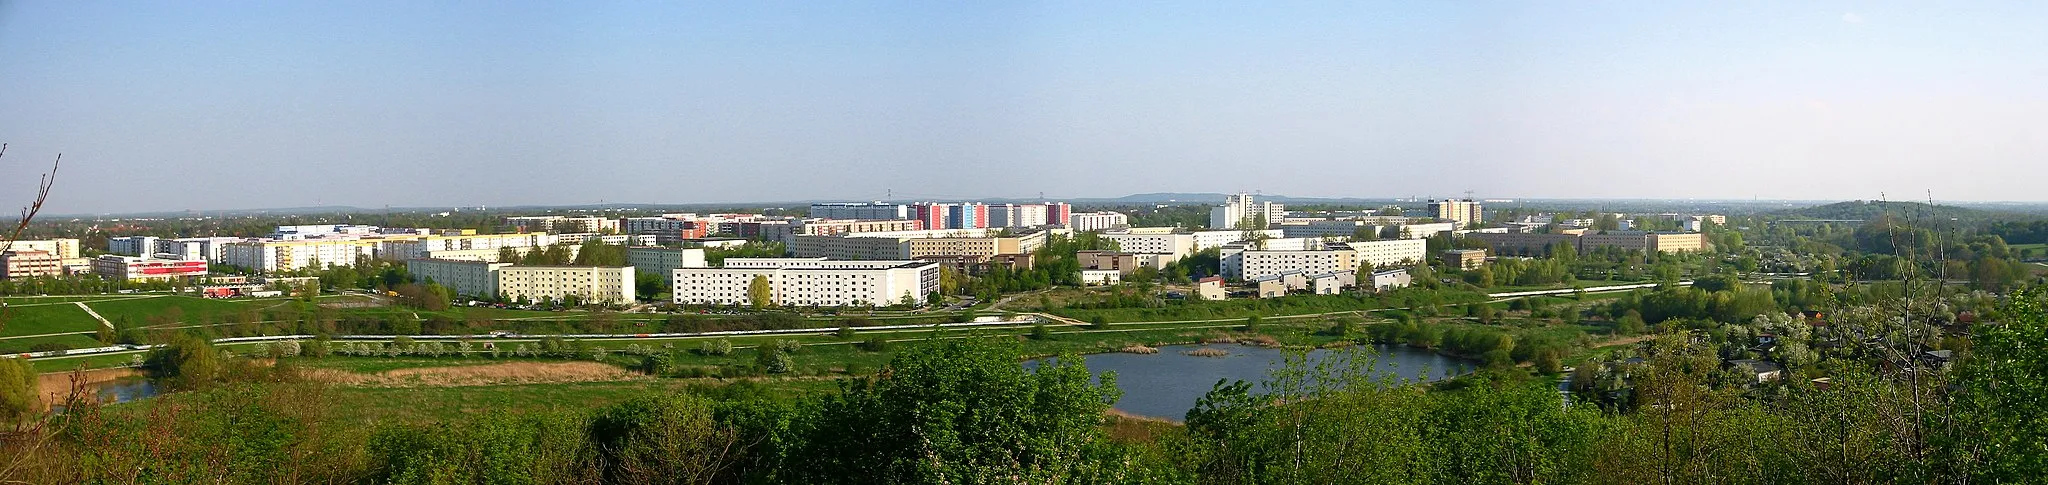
212 106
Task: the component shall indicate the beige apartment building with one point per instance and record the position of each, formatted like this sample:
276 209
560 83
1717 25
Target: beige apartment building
29 264
62 248
1465 258
468 278
594 284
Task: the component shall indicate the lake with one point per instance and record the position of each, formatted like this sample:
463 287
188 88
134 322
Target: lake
1167 384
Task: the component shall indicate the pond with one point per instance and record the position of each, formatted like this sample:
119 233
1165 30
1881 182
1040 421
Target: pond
1167 384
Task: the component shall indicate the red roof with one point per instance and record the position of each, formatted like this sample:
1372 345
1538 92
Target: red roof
1218 279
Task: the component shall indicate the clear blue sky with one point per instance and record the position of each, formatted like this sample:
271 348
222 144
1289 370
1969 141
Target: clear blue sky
202 105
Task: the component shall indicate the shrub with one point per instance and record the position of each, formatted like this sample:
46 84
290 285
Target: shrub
874 344
715 347
1039 332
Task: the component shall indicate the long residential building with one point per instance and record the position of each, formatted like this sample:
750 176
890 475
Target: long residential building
29 264
861 210
594 284
1244 263
274 256
467 278
134 268
1097 221
418 246
660 260
1153 243
902 245
834 227
809 282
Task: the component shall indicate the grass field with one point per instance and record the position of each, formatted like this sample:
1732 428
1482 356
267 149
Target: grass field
76 341
45 319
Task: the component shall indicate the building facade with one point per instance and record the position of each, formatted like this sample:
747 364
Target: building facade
1464 258
660 260
30 264
1463 212
861 210
467 278
1097 221
132 268
62 248
809 282
1242 208
592 284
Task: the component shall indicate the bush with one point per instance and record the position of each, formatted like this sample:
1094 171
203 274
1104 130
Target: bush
1039 332
715 347
874 344
1251 324
845 333
1098 322
57 347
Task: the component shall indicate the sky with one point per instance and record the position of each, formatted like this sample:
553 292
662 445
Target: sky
165 106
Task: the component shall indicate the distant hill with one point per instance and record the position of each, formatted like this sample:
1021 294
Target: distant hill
1869 209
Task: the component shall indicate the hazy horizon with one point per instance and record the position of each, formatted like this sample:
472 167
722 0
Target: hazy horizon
216 106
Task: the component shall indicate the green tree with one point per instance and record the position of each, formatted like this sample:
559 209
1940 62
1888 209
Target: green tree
187 362
18 400
964 412
2005 377
759 294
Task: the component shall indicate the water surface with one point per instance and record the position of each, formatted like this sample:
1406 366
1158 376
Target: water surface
1167 384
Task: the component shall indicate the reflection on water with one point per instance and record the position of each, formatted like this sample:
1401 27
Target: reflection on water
1167 384
124 390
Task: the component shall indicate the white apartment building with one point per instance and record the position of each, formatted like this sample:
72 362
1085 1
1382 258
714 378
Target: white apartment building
62 248
612 239
1217 239
490 255
660 260
132 245
207 249
1391 252
1258 264
564 223
592 284
1142 243
1232 255
1018 215
1240 208
1096 221
468 278
1327 228
861 210
313 231
1426 231
418 247
809 282
292 255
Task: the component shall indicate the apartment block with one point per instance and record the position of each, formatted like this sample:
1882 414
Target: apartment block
29 264
62 248
132 268
660 260
468 278
593 284
809 282
1150 243
1464 213
1464 258
1097 221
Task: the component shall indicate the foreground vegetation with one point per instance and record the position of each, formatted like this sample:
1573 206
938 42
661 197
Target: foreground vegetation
963 411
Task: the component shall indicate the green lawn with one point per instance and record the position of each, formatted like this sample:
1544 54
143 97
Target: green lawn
76 341
44 319
139 310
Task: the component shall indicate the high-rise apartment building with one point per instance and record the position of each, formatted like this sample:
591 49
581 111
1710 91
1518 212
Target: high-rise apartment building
1242 209
1464 212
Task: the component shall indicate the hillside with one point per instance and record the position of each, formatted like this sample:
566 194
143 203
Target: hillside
1870 209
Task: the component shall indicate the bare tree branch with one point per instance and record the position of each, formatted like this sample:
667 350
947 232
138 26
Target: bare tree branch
28 213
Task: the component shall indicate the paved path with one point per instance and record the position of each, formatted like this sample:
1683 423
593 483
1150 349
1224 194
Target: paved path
95 315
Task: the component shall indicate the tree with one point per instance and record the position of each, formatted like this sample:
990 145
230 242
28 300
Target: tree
18 400
188 362
758 292
963 412
2005 377
1630 323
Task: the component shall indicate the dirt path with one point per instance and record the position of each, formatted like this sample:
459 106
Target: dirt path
480 375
